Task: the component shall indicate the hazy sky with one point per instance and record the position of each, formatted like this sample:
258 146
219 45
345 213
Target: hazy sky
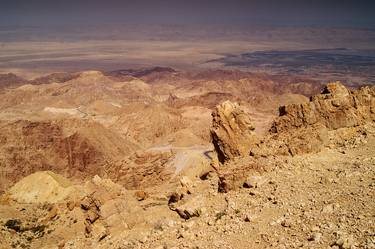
291 12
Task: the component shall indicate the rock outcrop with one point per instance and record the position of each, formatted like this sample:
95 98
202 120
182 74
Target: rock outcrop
336 107
42 187
303 128
337 113
233 176
232 131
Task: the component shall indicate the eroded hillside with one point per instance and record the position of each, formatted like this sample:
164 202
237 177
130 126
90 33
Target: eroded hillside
158 158
110 124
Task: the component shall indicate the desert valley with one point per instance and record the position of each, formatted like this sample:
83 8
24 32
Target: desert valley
234 135
163 158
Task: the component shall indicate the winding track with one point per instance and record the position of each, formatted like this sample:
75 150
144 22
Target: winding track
185 156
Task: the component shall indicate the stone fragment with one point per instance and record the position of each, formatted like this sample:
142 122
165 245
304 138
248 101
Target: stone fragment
193 207
140 195
345 242
99 232
51 214
254 181
316 236
92 215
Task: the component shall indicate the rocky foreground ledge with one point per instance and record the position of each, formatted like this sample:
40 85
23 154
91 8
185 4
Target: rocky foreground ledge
334 117
308 183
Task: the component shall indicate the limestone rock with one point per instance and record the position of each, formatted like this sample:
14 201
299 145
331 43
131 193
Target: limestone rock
233 177
232 131
186 184
297 141
42 187
99 232
50 215
303 128
254 181
336 107
140 195
192 207
345 242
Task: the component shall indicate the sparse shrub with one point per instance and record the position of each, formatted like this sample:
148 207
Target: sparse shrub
14 224
159 225
38 229
220 215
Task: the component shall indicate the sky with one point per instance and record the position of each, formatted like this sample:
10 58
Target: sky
278 12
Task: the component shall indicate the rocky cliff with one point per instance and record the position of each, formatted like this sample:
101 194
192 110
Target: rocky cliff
336 107
333 118
304 128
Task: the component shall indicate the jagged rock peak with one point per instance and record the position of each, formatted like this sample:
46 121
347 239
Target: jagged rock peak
336 107
303 128
232 131
336 89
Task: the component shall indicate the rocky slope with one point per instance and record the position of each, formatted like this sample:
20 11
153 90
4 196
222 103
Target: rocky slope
300 202
132 166
70 148
331 118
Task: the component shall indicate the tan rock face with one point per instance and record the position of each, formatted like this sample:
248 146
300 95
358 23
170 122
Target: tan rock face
234 174
232 131
50 188
303 128
300 128
336 107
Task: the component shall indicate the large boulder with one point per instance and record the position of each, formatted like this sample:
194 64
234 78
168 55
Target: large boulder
232 131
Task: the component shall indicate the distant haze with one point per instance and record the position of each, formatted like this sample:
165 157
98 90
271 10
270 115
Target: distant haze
271 12
43 36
